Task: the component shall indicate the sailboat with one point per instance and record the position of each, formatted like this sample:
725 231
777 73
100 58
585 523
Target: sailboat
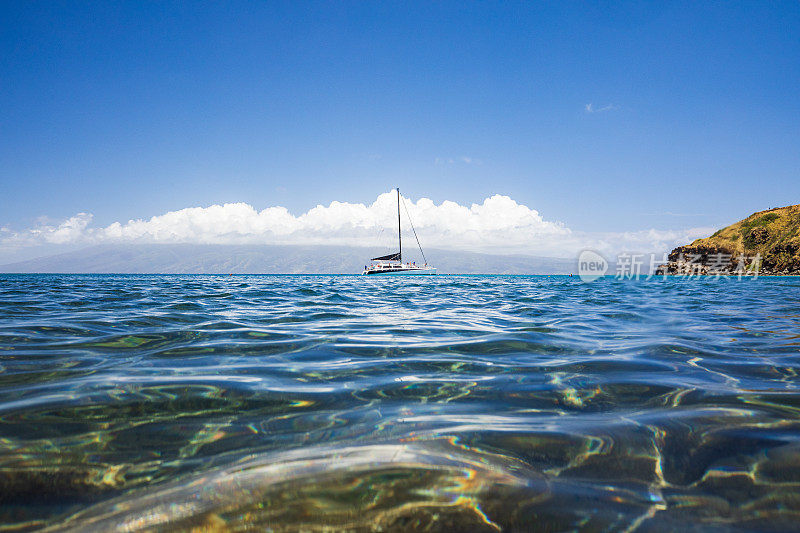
392 264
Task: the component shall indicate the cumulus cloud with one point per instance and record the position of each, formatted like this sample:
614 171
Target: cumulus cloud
499 225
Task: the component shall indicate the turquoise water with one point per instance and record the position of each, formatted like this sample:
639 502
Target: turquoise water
459 403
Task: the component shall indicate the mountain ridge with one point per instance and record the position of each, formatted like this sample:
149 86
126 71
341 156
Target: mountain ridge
269 259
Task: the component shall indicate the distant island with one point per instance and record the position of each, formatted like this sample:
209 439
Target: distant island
269 259
766 241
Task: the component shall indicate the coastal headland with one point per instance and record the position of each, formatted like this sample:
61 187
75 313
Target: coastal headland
767 243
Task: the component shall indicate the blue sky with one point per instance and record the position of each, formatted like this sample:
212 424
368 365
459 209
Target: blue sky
130 110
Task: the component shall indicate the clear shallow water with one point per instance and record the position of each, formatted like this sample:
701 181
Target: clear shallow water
474 403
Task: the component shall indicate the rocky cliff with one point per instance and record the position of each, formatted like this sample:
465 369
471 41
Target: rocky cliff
766 241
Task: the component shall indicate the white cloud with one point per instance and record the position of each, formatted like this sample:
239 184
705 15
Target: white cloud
643 241
589 108
467 160
499 224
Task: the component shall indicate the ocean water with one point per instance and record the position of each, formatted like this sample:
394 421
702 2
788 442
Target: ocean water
450 403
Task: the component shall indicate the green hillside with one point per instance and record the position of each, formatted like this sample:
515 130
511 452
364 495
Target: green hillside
774 233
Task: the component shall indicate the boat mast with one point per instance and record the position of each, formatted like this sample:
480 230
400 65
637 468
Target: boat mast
399 237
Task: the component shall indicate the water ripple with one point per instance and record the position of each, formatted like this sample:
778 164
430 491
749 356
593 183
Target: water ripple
465 403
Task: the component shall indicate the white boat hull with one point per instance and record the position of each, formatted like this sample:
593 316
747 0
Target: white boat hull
429 271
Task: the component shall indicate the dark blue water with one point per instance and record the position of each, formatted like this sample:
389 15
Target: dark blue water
326 403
